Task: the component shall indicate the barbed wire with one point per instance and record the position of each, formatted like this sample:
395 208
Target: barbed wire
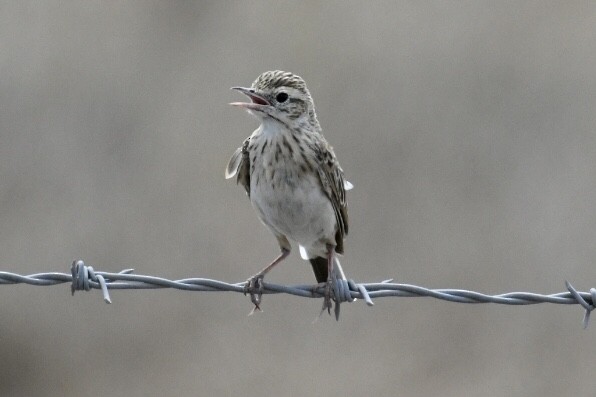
83 277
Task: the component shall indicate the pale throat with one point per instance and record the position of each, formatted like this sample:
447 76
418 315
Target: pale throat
271 128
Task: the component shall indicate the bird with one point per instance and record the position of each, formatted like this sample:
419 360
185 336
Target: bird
293 179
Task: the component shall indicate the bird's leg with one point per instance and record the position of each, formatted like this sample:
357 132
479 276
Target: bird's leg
254 285
328 286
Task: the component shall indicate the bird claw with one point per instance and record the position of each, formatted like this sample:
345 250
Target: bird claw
327 305
327 298
254 287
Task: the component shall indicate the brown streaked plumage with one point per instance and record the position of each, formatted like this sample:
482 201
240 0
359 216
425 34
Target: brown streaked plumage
292 177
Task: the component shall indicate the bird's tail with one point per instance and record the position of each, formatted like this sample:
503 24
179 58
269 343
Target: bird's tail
319 267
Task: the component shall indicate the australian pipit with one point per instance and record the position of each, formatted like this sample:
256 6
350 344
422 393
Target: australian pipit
292 178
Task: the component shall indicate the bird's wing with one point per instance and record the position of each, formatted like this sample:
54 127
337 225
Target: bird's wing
239 165
332 180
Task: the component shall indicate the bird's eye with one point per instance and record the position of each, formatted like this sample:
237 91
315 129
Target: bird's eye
281 97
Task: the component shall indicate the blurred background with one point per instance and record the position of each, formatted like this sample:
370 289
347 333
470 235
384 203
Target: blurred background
467 129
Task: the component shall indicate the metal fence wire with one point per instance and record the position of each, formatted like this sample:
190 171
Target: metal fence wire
83 277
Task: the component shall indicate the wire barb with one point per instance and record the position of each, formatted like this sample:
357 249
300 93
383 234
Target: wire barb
588 306
83 277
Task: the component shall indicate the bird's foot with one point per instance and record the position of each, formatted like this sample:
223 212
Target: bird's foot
254 287
327 305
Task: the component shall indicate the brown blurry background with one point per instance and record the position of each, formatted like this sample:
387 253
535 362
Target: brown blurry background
468 130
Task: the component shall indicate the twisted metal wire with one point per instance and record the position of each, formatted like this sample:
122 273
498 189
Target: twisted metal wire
84 277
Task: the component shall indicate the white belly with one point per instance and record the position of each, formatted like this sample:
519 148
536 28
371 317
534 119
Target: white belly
297 208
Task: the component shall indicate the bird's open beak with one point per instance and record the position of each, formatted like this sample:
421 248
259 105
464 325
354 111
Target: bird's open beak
257 100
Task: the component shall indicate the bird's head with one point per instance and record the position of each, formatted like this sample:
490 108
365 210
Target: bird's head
280 96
